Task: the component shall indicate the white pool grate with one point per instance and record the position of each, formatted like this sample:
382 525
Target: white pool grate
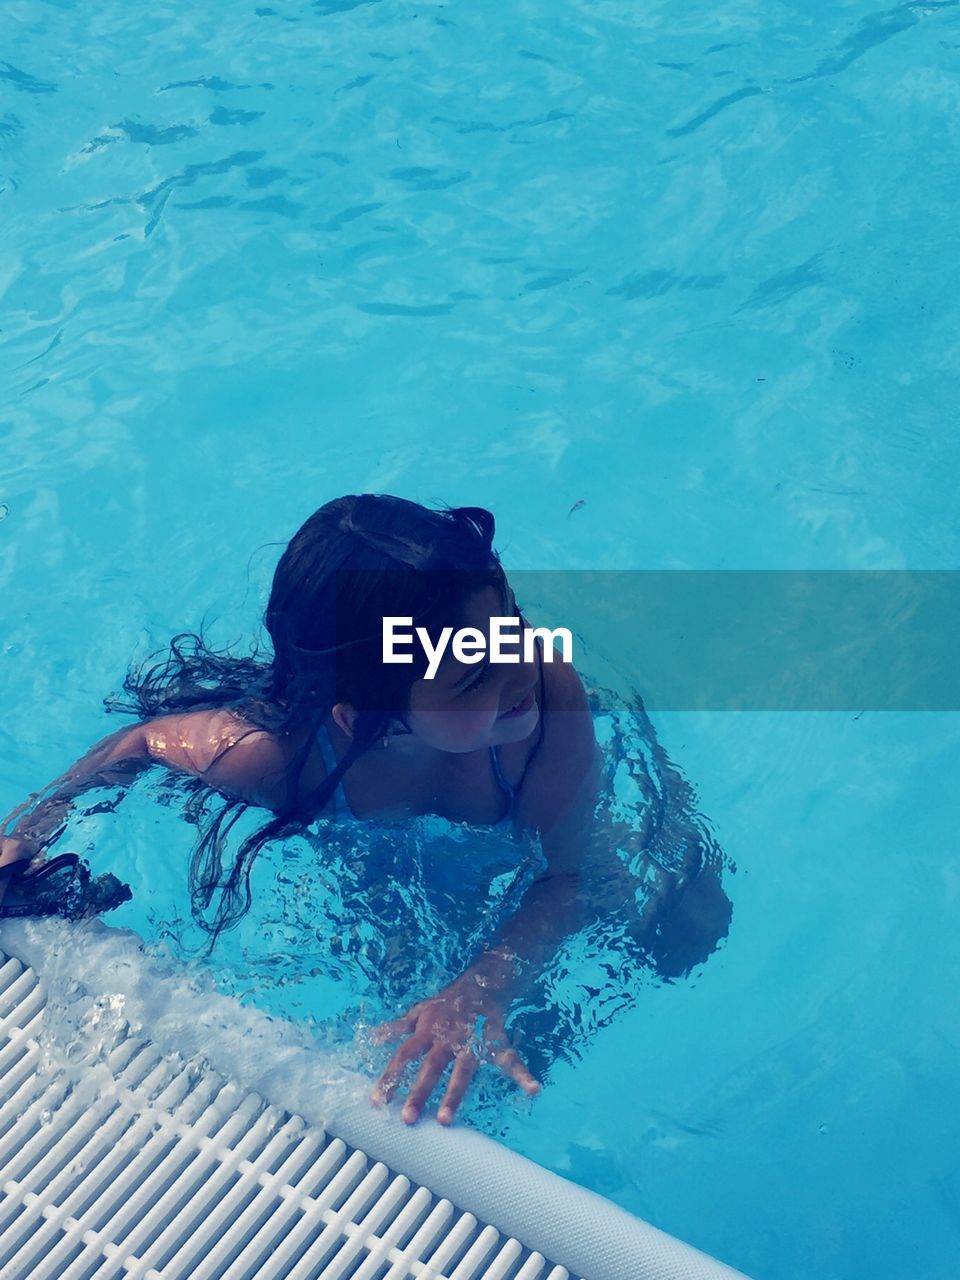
143 1168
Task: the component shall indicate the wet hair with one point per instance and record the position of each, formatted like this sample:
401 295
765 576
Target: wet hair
356 560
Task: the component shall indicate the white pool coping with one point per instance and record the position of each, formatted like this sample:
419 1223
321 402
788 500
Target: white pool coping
490 1214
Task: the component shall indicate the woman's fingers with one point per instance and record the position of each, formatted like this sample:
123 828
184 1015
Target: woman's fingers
463 1072
510 1062
387 1084
443 1038
430 1072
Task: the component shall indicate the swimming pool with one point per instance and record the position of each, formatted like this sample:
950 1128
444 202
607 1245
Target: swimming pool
686 269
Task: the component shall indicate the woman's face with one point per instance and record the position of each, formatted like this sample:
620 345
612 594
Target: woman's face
464 707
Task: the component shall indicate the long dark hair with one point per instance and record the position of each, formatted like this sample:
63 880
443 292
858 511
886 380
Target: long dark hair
356 560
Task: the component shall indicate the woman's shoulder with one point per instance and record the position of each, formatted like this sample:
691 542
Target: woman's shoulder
231 751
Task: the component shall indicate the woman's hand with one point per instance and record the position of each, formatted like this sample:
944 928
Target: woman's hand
443 1028
15 852
14 849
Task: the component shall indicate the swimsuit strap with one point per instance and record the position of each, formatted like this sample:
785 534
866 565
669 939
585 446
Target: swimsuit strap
341 805
512 792
503 784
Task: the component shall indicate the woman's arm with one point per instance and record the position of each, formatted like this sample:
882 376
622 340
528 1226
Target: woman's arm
116 758
557 803
39 821
228 752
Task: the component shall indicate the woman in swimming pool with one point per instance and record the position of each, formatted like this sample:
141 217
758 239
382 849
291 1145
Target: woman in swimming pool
326 728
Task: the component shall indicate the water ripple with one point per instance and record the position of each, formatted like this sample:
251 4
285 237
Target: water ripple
25 82
784 284
136 131
714 109
276 204
223 116
326 8
349 215
872 31
396 309
424 179
653 284
552 280
214 83
194 171
486 126
357 83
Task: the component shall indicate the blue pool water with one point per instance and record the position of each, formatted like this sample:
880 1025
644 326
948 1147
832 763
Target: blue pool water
687 266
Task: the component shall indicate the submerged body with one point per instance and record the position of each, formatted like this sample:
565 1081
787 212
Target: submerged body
513 749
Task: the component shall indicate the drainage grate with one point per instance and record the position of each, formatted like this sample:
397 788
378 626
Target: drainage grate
142 1167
